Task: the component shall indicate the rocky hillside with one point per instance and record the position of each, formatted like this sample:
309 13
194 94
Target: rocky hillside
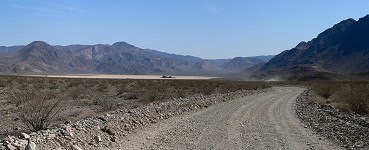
9 50
118 58
40 57
342 49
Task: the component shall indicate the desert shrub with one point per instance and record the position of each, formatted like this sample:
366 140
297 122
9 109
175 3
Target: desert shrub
325 88
37 83
52 84
3 83
101 99
38 109
356 96
121 89
73 83
75 92
107 103
130 96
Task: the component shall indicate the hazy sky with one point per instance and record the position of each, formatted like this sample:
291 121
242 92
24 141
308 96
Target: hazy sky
204 28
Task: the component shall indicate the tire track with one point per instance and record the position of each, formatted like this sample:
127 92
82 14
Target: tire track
259 121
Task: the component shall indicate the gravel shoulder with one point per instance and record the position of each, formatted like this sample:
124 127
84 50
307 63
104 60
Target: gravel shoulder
260 121
347 129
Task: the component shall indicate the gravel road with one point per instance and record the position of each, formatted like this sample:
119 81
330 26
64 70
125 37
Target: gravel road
259 121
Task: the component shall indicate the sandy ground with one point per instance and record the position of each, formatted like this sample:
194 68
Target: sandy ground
105 76
260 121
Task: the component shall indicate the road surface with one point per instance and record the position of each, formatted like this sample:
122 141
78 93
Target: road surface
260 121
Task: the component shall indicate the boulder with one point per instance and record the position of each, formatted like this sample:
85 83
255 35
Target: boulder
107 130
75 147
31 145
97 139
24 136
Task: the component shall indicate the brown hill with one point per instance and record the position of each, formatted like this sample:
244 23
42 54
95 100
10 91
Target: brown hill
39 56
342 49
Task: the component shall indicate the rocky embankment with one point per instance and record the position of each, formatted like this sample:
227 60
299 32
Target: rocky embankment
349 130
102 132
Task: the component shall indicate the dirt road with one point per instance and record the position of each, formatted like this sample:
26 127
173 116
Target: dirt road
259 121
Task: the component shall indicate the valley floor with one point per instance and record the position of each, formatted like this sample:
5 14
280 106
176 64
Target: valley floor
108 76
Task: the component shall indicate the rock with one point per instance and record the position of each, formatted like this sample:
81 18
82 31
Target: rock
24 136
101 118
359 144
2 147
33 134
106 129
67 122
97 139
113 139
10 139
51 136
31 145
17 128
23 142
75 147
10 147
68 131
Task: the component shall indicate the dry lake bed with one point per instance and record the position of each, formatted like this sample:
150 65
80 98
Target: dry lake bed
106 76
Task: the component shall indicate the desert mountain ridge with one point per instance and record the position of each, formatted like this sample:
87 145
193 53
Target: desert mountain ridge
340 50
39 57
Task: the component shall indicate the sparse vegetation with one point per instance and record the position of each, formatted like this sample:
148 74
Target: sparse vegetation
345 95
37 109
325 88
38 102
356 96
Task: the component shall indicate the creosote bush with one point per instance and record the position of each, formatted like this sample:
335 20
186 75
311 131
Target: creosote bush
349 95
38 109
325 88
357 97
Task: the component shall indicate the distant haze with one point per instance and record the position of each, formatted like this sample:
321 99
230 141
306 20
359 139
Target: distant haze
203 28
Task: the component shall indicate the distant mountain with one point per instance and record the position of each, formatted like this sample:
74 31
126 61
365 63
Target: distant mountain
239 64
9 50
265 58
119 58
342 49
39 56
219 61
175 56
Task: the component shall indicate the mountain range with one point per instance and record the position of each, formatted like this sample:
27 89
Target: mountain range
39 57
340 50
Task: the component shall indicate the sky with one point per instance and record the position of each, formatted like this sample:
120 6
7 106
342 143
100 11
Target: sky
210 29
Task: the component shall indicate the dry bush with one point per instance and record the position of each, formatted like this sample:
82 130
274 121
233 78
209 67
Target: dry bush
107 103
316 98
102 100
342 106
38 109
75 92
325 88
151 96
344 95
3 83
356 96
